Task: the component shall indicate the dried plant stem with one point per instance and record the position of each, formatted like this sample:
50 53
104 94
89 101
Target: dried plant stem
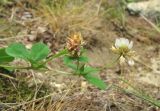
28 102
151 23
7 76
138 93
111 64
36 91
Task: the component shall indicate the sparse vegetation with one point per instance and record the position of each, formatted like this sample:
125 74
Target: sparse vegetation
60 55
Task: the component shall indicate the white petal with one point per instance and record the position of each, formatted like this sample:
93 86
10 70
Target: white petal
131 62
125 42
130 45
117 43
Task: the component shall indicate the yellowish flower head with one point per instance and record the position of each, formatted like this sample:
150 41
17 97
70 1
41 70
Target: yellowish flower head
74 43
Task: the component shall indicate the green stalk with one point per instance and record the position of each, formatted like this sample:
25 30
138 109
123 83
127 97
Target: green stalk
12 67
63 52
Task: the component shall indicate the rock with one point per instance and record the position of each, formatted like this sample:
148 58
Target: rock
149 8
26 15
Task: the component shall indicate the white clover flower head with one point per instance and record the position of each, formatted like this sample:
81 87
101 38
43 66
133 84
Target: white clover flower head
123 43
122 46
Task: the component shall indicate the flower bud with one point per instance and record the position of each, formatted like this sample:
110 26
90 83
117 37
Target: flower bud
74 44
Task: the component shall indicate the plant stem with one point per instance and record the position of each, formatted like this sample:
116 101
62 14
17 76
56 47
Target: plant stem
7 76
63 52
77 66
111 64
137 94
12 67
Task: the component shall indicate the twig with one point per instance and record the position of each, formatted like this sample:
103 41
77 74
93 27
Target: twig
146 98
7 76
35 100
36 91
147 66
151 23
12 67
99 6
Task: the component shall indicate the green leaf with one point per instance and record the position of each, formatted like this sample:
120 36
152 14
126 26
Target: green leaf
17 50
87 70
90 70
81 69
4 57
83 59
37 66
67 60
72 66
95 81
39 51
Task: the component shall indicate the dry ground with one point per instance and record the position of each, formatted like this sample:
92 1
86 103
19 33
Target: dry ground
99 27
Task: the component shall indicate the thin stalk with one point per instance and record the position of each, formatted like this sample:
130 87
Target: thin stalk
111 64
7 76
77 66
144 95
148 99
12 67
63 52
137 92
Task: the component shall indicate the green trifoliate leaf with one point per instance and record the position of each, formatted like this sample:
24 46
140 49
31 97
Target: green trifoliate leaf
17 50
38 52
4 57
